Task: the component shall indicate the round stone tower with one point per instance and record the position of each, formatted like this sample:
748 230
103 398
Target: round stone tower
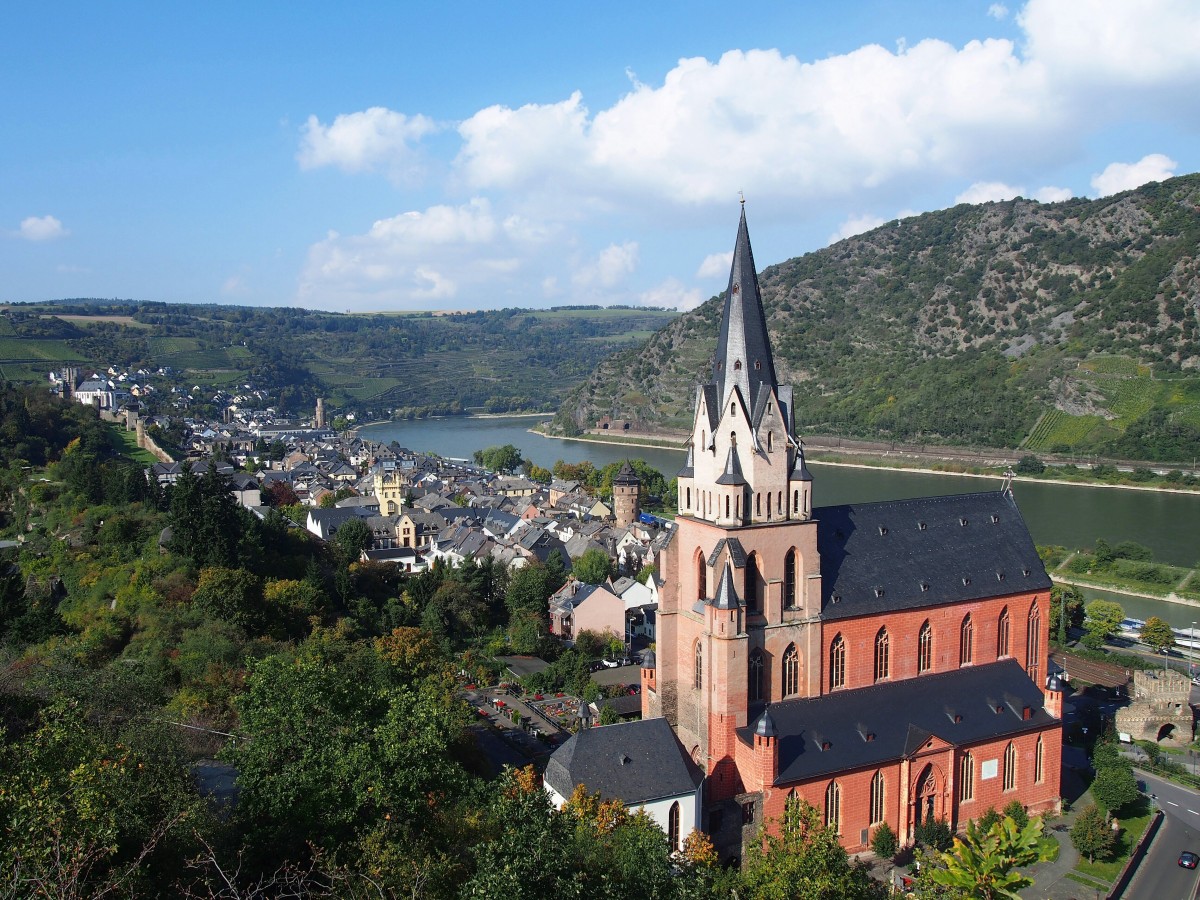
625 496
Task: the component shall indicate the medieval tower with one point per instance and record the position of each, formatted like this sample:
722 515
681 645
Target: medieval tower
626 506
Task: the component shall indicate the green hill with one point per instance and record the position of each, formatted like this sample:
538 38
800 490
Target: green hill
1064 326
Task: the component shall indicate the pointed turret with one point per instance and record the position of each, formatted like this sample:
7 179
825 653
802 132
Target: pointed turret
743 357
727 596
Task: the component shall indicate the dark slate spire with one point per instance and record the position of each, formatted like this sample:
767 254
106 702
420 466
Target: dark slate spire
733 469
726 597
743 348
627 475
766 726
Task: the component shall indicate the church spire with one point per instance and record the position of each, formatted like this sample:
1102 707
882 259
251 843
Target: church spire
743 348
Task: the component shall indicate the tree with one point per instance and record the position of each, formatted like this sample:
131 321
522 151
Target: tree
593 567
1115 787
351 539
1104 617
1091 834
1061 623
231 595
506 458
1030 465
1157 635
800 857
983 864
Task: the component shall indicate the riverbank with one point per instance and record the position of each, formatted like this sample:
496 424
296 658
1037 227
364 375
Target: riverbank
882 462
1170 597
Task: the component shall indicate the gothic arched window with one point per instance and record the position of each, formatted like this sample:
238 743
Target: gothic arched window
791 671
698 681
837 663
753 593
789 572
1033 643
1002 634
1010 767
833 807
925 648
878 797
701 576
882 655
755 677
966 777
673 826
966 641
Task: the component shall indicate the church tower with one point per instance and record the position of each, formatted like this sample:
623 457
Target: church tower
738 622
626 486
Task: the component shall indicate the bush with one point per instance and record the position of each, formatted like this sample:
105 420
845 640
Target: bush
1030 465
988 819
883 841
934 834
1091 834
1017 813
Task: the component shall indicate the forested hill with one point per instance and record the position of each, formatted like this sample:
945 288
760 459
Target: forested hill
1056 326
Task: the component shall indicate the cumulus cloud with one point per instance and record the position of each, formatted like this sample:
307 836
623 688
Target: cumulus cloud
374 139
1118 177
672 294
419 259
41 228
1051 194
715 265
855 225
987 191
998 11
611 267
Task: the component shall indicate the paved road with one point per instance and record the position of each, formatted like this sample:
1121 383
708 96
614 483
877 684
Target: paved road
1159 877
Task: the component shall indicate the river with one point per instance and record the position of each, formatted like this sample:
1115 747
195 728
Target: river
1071 515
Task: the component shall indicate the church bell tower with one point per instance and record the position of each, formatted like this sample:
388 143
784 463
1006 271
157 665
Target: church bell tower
738 616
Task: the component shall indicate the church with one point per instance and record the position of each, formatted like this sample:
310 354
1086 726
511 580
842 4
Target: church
887 662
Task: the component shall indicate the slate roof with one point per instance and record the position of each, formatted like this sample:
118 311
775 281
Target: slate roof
737 553
743 356
902 715
634 762
903 554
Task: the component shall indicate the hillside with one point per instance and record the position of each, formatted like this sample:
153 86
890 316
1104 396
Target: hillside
407 364
1065 326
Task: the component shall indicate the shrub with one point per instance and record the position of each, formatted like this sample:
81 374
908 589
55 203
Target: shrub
934 834
1016 812
883 841
988 819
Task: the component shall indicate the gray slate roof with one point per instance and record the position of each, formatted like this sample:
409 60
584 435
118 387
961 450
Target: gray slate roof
903 554
902 715
634 762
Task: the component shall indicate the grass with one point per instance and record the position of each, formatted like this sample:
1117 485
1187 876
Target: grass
125 443
1132 829
127 321
14 348
167 346
1059 428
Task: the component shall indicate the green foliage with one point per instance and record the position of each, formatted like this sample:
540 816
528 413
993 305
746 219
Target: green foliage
1062 620
593 567
1115 787
1091 834
1015 810
351 539
1030 465
500 459
805 860
934 834
1104 617
883 841
985 864
1157 635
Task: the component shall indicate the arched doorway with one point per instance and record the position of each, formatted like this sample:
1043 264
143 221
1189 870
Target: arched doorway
1166 733
925 806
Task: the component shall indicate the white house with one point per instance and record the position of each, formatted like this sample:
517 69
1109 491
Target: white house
627 762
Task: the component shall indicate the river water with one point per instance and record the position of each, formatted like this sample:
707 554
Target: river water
1070 515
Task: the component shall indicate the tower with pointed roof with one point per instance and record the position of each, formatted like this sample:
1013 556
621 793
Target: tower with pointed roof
742 576
626 486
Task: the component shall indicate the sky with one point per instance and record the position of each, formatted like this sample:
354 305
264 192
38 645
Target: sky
475 155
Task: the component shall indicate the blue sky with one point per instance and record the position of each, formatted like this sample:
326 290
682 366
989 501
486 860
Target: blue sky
462 156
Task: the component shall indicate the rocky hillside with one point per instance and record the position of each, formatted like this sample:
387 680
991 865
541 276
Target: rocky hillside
1066 326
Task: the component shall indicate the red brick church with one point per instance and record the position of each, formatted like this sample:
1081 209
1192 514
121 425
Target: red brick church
888 662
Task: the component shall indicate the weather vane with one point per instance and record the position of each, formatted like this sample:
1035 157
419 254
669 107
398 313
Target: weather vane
742 198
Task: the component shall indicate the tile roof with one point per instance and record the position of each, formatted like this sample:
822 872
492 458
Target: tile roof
885 722
634 762
904 554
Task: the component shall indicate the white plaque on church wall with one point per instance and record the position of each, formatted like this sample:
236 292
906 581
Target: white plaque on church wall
989 769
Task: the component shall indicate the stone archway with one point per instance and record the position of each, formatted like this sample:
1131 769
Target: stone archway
1166 733
925 796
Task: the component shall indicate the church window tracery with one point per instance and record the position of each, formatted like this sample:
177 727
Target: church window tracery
789 572
1033 643
837 663
756 677
1002 634
1010 767
833 807
698 654
878 797
791 671
882 655
966 638
925 648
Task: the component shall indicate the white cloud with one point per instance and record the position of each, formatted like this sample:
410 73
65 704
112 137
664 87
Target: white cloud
715 265
1118 177
1051 194
672 294
374 139
998 11
41 228
611 267
234 286
855 225
988 191
419 258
